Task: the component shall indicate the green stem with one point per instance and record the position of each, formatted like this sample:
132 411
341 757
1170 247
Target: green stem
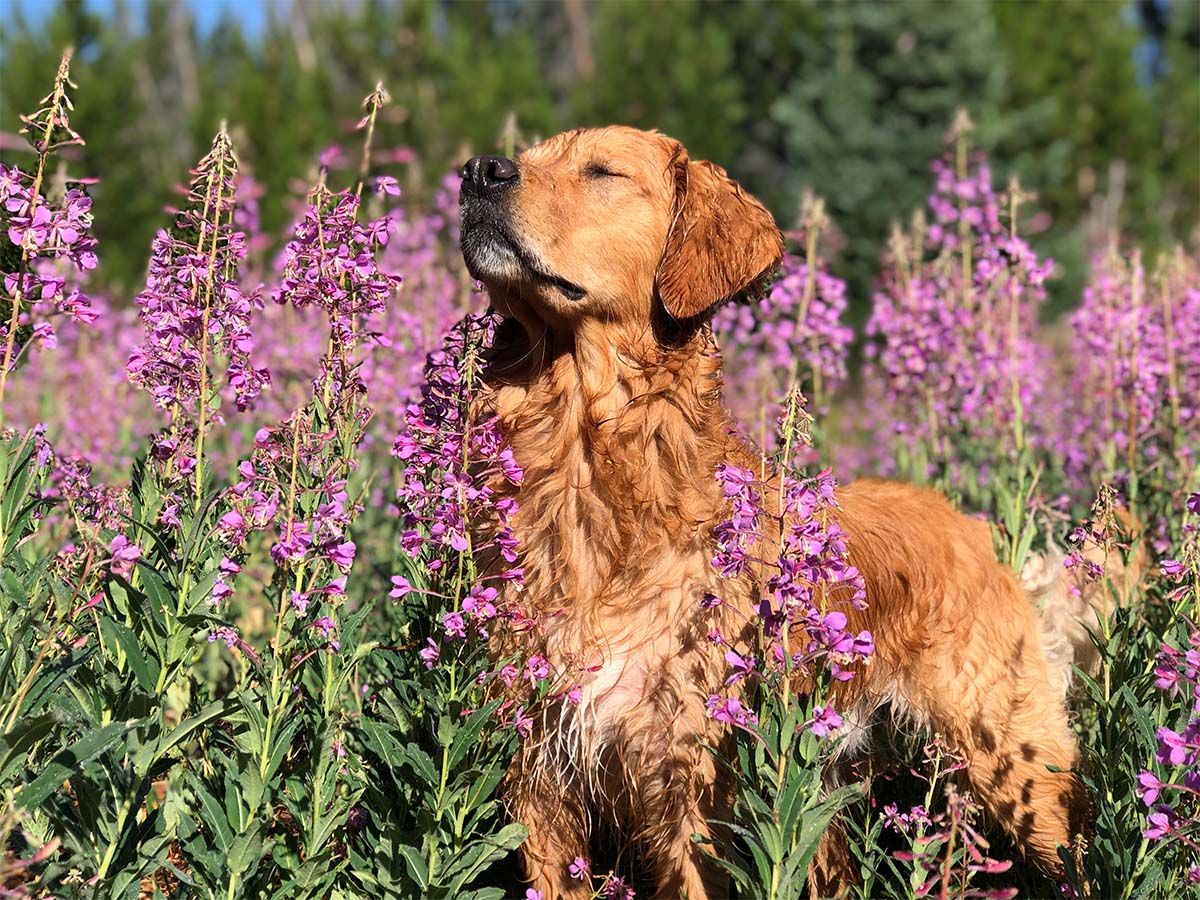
365 163
432 860
208 291
122 815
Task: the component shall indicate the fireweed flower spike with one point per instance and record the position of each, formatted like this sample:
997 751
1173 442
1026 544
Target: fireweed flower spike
195 313
451 467
948 851
1171 790
49 220
423 245
330 263
1136 375
959 296
297 475
798 613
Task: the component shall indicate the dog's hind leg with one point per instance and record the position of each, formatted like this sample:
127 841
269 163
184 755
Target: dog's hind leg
681 865
688 797
990 691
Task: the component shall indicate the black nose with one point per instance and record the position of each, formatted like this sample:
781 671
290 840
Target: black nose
486 176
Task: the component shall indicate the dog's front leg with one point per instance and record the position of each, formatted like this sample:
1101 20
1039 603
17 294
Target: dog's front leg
683 870
557 835
690 797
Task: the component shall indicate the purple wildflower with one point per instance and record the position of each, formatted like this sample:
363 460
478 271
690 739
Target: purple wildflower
51 232
224 633
193 309
803 309
825 721
580 869
730 711
124 555
617 888
430 653
454 625
951 367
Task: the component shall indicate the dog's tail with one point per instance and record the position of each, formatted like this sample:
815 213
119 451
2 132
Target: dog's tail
1073 607
1064 614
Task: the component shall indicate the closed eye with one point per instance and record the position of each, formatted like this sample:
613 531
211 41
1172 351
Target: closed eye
600 170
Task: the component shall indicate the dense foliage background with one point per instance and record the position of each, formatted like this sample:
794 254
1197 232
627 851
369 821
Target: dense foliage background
850 99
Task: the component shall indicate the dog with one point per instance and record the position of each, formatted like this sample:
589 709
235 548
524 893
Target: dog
605 251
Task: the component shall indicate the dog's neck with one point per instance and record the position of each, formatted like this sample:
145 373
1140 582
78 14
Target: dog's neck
619 436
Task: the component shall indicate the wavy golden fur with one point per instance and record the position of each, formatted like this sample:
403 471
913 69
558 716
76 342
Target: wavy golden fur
605 250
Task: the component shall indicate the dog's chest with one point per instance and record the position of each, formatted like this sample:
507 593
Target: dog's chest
637 670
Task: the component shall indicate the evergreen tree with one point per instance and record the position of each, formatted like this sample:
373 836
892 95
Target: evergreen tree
669 66
874 90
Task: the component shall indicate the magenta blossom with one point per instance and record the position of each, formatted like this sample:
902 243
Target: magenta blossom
825 721
224 633
580 870
125 555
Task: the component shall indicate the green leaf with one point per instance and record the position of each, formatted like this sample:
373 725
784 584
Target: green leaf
760 859
422 763
52 677
1094 690
213 815
466 737
246 850
725 861
770 838
15 746
281 745
790 802
417 869
160 594
817 819
1140 716
470 863
489 893
256 721
11 587
216 710
179 645
198 530
119 633
69 761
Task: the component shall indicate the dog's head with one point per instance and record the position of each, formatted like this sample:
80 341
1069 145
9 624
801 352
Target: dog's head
613 224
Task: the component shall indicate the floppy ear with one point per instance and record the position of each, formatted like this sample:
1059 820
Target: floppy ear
722 241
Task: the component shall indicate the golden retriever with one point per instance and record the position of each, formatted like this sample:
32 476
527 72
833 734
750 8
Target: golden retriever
605 251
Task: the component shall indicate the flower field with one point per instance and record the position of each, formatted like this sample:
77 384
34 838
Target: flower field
244 647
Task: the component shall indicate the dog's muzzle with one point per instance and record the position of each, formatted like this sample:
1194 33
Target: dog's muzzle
490 247
486 177
485 235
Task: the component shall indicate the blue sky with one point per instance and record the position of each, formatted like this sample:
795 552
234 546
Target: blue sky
251 13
